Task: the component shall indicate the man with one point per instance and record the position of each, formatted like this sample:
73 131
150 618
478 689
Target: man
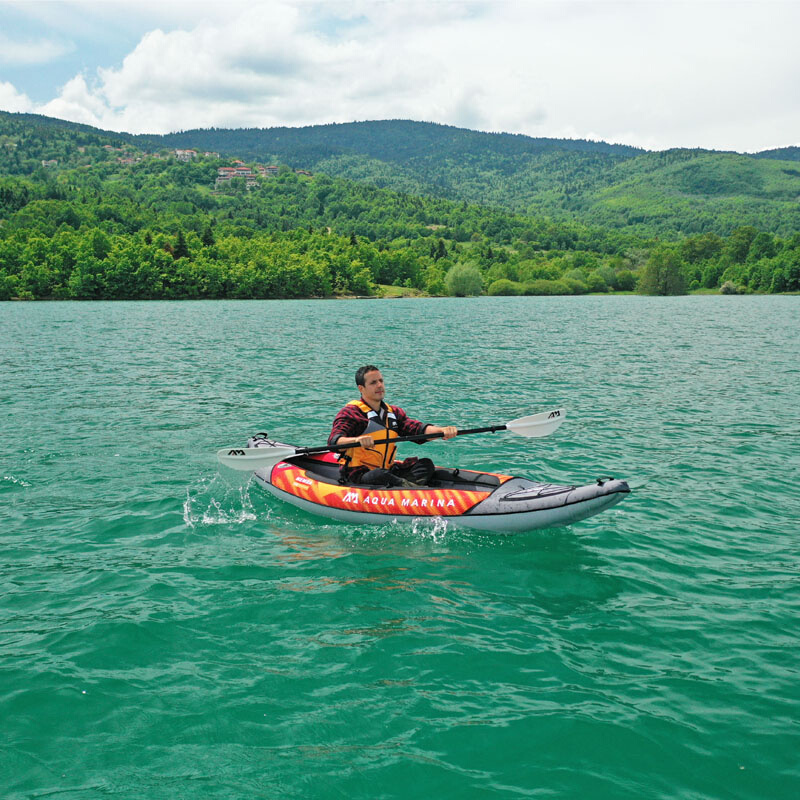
370 419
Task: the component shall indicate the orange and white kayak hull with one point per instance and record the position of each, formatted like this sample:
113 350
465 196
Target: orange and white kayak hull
486 501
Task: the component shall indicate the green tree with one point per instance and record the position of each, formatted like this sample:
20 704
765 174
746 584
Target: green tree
8 286
626 281
181 249
435 280
711 274
609 275
208 237
503 286
663 274
463 280
700 248
738 244
762 246
543 286
778 282
595 281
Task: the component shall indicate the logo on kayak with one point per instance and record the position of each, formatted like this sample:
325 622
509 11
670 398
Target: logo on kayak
235 452
405 502
554 414
433 502
301 479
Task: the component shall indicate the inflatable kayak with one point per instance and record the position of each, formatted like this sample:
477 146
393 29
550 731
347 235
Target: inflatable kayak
482 500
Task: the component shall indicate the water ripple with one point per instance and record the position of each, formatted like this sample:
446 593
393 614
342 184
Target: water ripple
168 630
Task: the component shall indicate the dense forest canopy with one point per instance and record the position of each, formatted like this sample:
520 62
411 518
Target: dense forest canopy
91 214
669 193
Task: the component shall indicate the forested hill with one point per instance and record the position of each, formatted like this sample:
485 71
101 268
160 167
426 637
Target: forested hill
781 153
85 214
394 141
669 194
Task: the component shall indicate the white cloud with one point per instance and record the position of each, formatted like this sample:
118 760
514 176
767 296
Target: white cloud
12 100
20 53
657 74
78 103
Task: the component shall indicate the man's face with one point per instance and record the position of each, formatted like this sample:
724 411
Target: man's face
373 390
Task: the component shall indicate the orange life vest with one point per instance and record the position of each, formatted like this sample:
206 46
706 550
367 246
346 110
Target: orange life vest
381 456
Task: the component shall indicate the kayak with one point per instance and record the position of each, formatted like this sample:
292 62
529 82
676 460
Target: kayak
483 500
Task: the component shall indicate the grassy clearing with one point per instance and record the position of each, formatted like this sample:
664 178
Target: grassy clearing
385 290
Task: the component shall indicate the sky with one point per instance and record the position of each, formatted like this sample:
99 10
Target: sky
656 74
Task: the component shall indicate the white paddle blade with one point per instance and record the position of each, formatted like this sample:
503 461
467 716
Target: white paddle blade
542 424
246 459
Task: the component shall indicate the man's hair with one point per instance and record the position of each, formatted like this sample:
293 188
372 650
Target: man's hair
361 373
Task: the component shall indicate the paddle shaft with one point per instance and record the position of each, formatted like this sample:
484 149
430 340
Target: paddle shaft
422 437
245 459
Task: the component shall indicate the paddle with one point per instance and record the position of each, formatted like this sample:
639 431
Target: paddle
247 459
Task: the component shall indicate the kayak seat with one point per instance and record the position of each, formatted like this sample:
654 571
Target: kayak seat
328 472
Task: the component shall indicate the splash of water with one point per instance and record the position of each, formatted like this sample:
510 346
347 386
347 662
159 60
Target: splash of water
434 528
217 502
14 481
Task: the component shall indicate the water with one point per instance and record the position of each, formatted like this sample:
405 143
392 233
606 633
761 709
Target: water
167 630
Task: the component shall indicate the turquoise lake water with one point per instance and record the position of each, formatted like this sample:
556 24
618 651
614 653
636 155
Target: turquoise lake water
168 630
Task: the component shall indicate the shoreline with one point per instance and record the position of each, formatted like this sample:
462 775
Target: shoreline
381 297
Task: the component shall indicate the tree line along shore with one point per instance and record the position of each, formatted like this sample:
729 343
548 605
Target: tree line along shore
98 224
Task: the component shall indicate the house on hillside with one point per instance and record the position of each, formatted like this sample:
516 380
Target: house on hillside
53 162
234 172
227 174
185 155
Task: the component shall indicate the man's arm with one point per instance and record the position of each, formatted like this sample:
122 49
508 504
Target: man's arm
348 426
448 432
412 427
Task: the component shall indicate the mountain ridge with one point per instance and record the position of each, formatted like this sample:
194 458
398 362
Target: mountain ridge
789 152
672 193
